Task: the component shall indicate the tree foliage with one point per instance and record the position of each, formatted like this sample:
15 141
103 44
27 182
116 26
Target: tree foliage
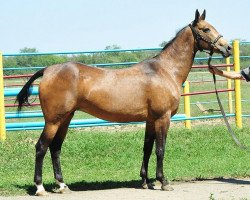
28 50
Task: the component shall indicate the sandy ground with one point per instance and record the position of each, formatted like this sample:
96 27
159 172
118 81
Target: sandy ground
221 189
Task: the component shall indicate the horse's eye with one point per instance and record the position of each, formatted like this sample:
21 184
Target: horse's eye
206 30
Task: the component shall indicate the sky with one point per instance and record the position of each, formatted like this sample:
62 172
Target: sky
83 25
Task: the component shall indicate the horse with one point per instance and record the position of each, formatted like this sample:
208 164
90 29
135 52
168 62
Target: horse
147 91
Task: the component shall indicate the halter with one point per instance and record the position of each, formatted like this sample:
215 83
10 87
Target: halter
211 44
198 37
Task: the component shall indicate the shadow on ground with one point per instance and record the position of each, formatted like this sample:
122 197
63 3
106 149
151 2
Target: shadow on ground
233 181
85 186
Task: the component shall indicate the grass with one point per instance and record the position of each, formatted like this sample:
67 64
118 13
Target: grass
110 159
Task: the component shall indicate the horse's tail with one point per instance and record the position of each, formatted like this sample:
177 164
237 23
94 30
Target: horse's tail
23 95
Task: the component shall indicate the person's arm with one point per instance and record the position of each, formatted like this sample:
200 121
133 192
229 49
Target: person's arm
226 74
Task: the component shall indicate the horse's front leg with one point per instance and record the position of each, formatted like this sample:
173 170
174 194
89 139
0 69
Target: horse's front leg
161 128
147 149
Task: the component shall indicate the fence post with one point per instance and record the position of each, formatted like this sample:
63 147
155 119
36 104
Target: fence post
238 112
229 86
187 105
2 110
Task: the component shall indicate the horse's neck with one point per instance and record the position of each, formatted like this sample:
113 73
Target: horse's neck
177 59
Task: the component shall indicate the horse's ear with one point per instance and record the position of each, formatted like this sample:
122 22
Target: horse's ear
197 17
203 16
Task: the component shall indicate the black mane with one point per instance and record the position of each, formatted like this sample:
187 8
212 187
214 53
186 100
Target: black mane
173 39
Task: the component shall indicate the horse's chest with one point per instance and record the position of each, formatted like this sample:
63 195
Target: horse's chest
164 97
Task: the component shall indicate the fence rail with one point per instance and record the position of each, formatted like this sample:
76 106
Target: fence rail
83 123
99 51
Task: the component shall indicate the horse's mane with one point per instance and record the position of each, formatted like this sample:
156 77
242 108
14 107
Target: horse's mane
173 39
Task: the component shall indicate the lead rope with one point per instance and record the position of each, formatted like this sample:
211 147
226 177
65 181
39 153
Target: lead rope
222 109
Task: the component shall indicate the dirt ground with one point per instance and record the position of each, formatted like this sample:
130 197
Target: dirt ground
216 189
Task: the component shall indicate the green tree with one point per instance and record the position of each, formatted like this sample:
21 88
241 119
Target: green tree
28 50
113 46
26 60
163 44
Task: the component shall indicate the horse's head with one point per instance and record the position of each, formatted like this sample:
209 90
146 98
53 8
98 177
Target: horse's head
207 37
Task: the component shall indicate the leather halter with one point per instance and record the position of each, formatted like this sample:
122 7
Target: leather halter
198 37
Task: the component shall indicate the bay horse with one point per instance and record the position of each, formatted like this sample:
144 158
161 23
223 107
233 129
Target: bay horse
148 91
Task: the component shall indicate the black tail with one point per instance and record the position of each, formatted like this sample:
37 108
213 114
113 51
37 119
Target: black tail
23 95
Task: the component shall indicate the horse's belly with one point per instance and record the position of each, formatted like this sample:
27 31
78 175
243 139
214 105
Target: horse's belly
115 101
115 115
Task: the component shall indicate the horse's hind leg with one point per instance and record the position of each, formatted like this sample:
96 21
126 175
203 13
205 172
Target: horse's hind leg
42 145
147 149
55 151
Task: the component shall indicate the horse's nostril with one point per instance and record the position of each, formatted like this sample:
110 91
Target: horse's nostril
229 47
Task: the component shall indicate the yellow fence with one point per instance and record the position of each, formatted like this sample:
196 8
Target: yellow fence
2 110
238 112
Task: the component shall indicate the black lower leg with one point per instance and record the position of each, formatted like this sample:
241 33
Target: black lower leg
55 148
159 171
162 126
161 136
148 146
147 153
55 151
41 150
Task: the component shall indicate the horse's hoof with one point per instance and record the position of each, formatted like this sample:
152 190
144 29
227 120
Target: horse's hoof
148 186
65 190
41 193
167 188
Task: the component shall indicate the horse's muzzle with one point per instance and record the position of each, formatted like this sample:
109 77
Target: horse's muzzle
226 51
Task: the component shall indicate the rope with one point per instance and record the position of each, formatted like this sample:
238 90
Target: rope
237 142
